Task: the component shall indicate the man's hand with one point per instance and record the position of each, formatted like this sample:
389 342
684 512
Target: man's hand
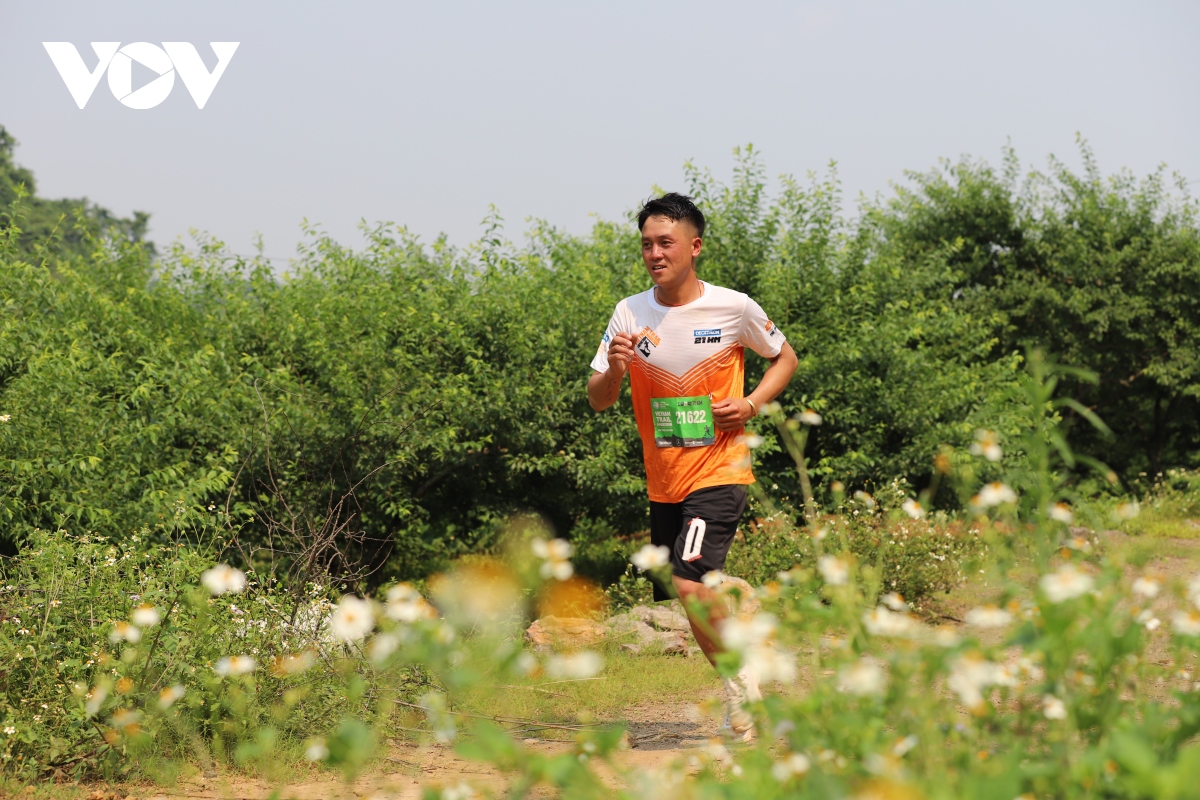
604 387
731 413
620 353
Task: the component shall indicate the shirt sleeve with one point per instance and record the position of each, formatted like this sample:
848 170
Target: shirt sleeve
600 361
759 333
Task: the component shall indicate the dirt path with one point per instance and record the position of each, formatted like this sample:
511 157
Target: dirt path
658 735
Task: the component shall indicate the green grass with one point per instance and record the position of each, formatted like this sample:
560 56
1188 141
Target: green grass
626 681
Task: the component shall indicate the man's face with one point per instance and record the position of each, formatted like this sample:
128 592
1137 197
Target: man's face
669 248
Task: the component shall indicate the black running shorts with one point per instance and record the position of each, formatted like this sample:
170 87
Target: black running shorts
698 531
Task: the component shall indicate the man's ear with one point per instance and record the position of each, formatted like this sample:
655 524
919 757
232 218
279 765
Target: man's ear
697 244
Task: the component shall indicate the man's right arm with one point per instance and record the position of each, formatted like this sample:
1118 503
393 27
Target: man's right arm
605 387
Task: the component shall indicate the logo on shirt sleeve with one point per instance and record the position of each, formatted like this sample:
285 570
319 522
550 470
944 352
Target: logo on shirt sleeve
771 329
707 336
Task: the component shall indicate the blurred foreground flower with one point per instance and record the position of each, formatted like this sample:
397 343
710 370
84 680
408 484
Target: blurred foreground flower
316 750
578 666
985 445
864 678
988 617
352 620
478 593
293 663
125 632
865 498
145 616
994 494
1062 513
790 766
971 673
651 557
1146 587
809 417
222 579
168 696
95 699
381 647
894 601
752 639
834 570
1186 623
1066 583
235 665
555 555
1053 707
1125 511
913 508
883 622
405 604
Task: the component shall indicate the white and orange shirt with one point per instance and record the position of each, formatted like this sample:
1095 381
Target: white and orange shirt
689 351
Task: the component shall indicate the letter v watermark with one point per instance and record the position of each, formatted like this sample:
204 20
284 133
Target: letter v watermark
80 82
196 77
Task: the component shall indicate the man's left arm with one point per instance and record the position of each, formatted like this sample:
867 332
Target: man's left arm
733 412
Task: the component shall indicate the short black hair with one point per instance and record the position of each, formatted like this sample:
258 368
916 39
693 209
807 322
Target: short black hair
674 206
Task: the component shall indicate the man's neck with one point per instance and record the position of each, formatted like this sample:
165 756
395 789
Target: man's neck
691 290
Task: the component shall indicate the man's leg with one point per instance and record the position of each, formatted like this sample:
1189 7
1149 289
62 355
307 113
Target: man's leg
705 612
709 524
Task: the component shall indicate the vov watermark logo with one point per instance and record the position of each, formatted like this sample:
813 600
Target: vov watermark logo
172 57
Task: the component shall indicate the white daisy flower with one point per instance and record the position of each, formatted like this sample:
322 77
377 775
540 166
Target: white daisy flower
994 494
809 417
1054 708
381 647
790 766
352 619
125 632
1066 583
913 508
405 604
894 601
235 665
834 570
168 696
1186 623
1146 587
584 664
1062 513
1125 511
739 635
316 750
651 557
988 617
882 622
985 445
222 579
145 616
555 554
863 678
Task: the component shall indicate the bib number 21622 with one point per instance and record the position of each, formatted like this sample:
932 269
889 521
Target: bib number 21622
683 421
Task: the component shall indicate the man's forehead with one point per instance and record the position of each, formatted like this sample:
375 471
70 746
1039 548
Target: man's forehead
663 225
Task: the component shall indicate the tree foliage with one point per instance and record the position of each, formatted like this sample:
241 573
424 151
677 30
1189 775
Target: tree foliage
411 397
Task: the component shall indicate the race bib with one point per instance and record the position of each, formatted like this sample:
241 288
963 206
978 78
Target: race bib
683 421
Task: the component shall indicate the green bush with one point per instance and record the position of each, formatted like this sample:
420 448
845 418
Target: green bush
87 692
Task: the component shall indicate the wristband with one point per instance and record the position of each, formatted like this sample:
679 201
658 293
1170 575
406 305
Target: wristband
751 402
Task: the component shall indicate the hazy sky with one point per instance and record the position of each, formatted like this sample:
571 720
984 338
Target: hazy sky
425 113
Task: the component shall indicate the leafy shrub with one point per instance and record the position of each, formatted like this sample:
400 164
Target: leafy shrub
87 691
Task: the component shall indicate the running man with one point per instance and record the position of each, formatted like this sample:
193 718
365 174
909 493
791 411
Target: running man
683 343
